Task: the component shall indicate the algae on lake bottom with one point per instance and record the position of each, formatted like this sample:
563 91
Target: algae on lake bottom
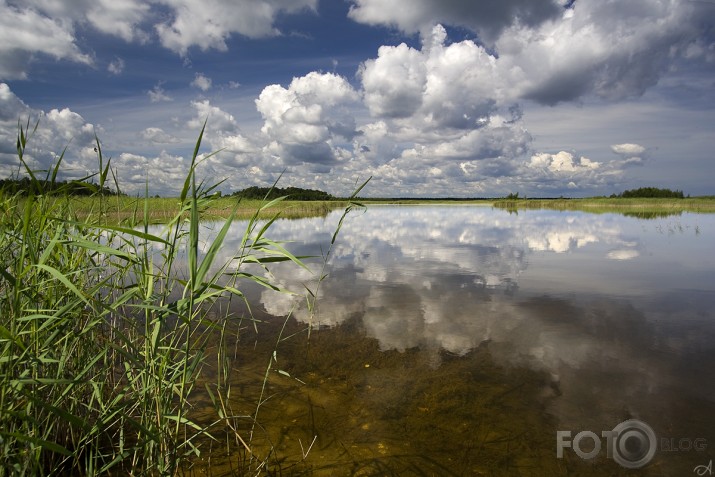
348 408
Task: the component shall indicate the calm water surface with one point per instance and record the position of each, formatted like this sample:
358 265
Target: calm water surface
457 340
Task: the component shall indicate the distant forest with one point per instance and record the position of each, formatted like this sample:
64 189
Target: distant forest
293 193
651 192
25 185
81 188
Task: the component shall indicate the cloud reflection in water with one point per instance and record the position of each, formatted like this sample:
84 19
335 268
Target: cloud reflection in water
577 295
608 305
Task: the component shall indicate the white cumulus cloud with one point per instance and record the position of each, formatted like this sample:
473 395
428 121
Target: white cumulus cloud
306 119
440 86
25 32
562 162
218 120
201 82
549 53
51 27
119 18
207 24
58 128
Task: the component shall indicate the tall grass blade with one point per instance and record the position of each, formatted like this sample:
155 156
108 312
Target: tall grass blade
106 328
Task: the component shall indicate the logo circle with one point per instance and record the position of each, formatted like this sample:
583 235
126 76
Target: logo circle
634 444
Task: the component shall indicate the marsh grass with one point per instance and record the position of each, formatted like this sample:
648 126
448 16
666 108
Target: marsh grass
643 207
102 340
122 209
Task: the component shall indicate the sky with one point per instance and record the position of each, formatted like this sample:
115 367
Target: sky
430 98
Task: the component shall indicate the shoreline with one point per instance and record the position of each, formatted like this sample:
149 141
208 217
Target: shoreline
128 210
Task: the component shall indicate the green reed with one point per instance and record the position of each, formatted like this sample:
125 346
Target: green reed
105 328
601 205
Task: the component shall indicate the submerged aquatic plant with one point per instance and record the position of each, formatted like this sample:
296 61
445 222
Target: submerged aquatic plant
102 339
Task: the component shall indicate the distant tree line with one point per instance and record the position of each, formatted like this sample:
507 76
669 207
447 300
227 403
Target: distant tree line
294 193
651 192
25 185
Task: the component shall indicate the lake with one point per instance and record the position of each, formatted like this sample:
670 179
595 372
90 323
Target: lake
468 340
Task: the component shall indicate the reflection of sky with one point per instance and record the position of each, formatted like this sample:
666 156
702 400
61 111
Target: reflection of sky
598 301
603 301
433 251
423 248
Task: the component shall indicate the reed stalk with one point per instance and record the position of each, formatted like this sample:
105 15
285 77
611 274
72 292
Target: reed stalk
105 328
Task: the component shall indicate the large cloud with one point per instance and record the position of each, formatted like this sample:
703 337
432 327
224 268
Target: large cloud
208 24
551 171
51 28
11 107
563 162
25 32
241 158
488 18
449 113
612 50
58 129
548 52
121 18
162 172
443 116
307 119
441 124
440 86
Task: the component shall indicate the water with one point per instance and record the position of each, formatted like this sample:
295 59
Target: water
457 340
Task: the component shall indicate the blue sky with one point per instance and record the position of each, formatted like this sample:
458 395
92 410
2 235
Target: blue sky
429 97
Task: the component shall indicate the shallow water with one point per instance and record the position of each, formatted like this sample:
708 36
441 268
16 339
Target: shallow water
457 340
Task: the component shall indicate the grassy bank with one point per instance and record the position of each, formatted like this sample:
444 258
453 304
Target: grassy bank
102 339
129 210
123 209
634 206
427 201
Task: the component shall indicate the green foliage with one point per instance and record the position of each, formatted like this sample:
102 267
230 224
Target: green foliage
641 207
105 329
25 185
651 192
293 193
512 196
